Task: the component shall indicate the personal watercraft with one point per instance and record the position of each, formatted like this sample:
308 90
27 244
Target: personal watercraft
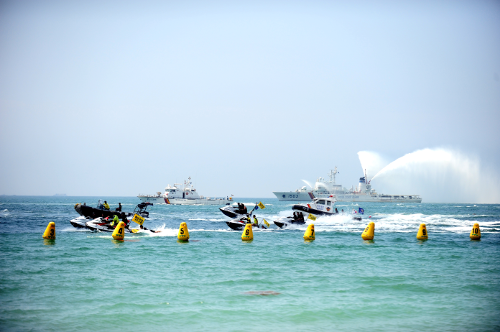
79 222
102 225
236 210
297 219
239 223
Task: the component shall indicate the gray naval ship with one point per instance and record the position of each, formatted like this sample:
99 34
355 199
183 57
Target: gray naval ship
363 193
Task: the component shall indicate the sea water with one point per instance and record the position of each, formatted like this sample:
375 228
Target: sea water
86 281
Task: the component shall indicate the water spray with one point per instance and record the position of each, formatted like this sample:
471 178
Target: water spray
439 175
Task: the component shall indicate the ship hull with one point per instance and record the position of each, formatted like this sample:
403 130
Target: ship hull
152 199
306 196
301 196
184 201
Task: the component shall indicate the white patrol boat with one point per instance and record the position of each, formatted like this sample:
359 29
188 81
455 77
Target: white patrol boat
318 207
364 192
183 194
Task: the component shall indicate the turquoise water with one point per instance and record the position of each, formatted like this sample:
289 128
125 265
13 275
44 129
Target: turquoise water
87 281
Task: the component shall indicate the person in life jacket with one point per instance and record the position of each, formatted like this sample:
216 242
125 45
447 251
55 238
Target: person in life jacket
106 205
115 220
255 221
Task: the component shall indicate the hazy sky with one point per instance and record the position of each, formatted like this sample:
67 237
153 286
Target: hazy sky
119 98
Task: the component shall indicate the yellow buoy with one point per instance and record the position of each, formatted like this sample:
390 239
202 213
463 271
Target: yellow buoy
309 234
369 232
247 233
422 232
50 231
119 232
475 234
183 234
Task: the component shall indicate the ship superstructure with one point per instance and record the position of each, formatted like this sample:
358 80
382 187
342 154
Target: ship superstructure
183 194
363 192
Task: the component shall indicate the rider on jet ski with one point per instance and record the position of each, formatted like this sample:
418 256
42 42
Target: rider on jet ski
298 216
116 221
242 208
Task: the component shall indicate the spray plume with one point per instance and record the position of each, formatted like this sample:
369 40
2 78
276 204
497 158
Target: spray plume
439 175
307 182
372 162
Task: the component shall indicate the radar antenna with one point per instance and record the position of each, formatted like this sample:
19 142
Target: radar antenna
332 175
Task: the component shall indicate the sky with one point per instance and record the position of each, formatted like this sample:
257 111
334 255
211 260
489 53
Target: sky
117 98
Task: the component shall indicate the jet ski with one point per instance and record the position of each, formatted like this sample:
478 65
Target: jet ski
92 212
239 223
237 210
79 222
102 225
297 219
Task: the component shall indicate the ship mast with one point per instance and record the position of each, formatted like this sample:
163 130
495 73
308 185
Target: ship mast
332 175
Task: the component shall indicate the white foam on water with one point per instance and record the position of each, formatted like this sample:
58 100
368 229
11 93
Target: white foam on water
161 230
73 229
217 220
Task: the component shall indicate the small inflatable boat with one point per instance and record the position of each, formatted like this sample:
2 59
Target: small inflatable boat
92 212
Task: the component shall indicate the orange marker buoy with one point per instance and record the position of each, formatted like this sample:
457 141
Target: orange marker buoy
475 234
309 235
369 232
50 231
422 233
